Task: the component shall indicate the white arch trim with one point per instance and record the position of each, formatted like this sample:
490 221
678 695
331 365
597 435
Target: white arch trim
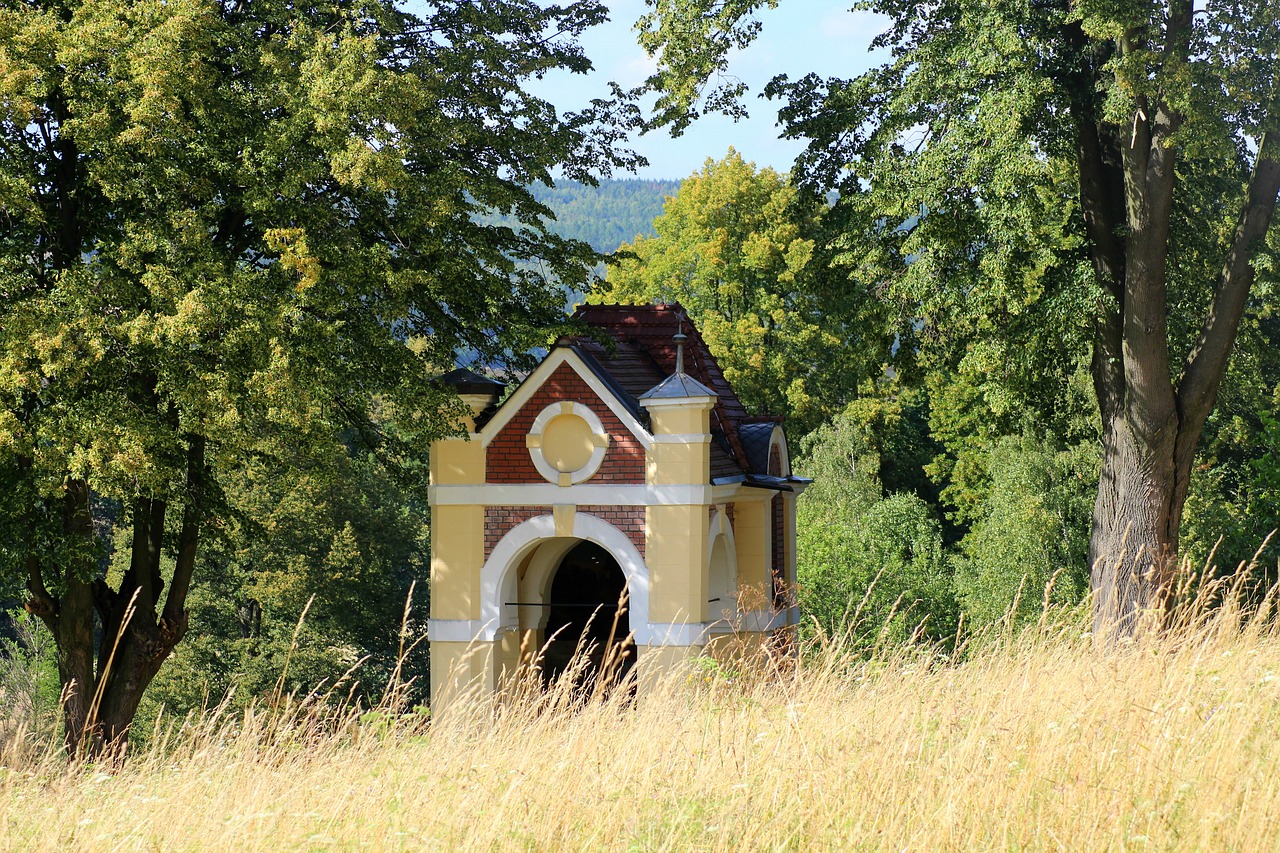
722 530
720 526
779 439
497 577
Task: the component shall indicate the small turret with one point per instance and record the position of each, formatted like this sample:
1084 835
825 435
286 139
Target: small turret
678 385
478 392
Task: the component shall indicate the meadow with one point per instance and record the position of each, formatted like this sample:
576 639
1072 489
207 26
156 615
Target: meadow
1039 739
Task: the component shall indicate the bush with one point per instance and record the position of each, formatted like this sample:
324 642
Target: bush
869 566
29 690
1032 530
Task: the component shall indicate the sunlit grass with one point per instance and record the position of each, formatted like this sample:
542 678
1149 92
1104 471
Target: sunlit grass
1043 740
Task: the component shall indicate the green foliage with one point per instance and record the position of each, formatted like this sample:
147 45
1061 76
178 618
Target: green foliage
896 420
735 247
869 566
28 678
230 224
1067 204
1030 538
1234 501
694 39
328 535
866 561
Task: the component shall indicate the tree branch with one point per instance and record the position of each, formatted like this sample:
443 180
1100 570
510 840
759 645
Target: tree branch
173 622
138 575
1207 360
41 603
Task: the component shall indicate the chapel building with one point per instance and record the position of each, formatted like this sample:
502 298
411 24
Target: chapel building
624 463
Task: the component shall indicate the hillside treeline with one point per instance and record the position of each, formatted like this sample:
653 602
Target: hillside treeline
612 212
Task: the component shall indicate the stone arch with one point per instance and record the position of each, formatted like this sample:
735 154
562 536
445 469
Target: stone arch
499 581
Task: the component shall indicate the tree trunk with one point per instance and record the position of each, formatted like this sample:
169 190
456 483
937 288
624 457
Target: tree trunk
1151 419
133 663
1134 543
99 704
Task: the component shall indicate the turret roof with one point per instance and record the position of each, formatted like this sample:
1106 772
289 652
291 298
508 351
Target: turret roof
637 352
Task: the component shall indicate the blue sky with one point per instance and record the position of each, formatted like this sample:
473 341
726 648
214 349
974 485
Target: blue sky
798 37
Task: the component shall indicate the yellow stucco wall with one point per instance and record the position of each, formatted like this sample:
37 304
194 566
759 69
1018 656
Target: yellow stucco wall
677 558
751 534
681 420
460 670
670 464
457 532
457 461
658 664
457 555
676 535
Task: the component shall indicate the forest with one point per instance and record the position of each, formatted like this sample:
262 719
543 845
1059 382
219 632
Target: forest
606 213
1016 303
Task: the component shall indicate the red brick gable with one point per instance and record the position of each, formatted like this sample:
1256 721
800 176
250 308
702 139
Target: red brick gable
507 458
644 354
499 521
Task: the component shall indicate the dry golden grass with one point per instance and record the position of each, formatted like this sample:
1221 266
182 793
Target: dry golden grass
1043 742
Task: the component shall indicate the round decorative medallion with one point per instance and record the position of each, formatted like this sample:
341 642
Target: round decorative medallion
567 443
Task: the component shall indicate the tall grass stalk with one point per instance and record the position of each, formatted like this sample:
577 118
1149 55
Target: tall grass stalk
1036 739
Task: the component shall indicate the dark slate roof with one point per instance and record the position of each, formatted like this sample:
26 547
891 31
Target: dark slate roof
756 442
675 386
638 354
468 382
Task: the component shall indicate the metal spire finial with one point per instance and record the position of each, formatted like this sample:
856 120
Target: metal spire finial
680 337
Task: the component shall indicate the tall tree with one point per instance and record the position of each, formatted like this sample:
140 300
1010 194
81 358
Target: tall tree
230 220
1122 158
736 247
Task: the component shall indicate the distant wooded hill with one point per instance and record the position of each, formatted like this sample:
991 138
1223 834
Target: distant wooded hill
608 215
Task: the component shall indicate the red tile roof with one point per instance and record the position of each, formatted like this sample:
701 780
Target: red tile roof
643 354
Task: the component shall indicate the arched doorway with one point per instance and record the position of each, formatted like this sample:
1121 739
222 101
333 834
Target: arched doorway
584 611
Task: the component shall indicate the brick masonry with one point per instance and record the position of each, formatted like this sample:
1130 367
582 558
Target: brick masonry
508 459
499 520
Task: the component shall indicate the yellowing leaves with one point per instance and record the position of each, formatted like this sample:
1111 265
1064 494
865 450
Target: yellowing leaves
732 248
295 256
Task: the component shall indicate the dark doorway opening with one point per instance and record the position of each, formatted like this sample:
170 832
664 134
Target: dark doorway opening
584 613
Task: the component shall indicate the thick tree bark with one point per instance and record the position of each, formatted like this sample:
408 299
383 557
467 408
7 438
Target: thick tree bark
73 625
1151 423
100 702
1135 536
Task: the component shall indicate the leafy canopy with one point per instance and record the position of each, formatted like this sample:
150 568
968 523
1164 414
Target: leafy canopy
233 230
735 246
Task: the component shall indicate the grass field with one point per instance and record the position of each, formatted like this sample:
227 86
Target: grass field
1039 742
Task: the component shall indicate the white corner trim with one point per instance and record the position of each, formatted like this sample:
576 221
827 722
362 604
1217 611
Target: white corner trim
730 493
679 402
540 374
674 634
583 494
763 620
454 630
498 572
682 438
